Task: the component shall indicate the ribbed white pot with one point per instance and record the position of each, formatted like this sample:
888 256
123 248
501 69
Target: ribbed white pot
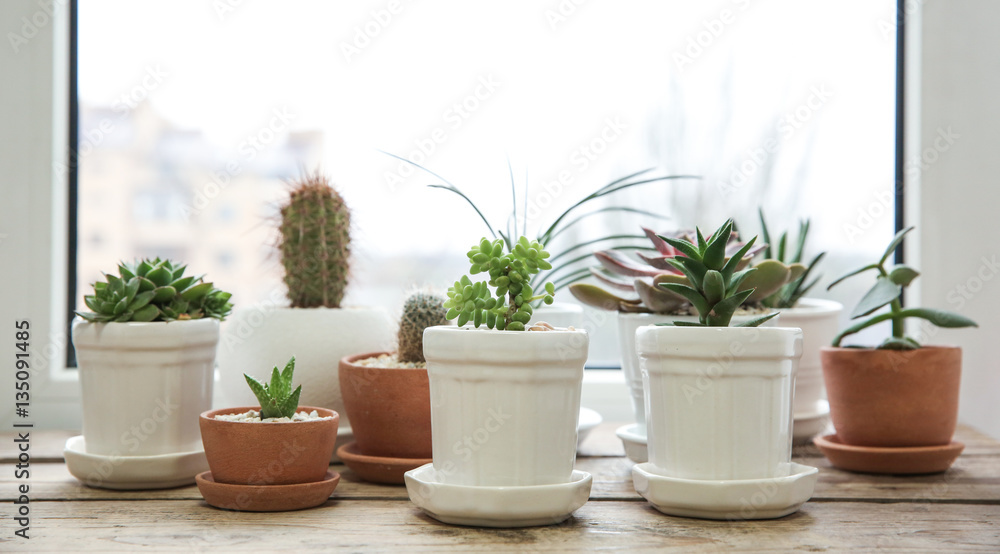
144 384
504 404
719 400
819 321
255 340
628 323
560 314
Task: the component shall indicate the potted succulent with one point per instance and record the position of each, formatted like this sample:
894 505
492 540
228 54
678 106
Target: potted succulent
894 407
387 397
818 319
274 457
146 354
718 398
315 246
504 400
649 303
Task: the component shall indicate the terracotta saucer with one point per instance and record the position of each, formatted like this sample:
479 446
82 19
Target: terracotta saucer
266 498
377 469
895 460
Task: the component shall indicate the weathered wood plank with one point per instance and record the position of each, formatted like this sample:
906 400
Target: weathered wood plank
973 478
398 525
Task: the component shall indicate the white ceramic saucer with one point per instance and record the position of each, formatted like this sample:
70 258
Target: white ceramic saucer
728 500
496 506
809 424
132 472
589 419
635 443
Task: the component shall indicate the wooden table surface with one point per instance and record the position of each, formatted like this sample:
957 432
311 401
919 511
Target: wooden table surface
953 511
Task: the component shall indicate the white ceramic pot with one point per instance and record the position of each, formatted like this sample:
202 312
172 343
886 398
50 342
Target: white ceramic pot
144 384
719 400
628 323
819 321
504 404
257 339
560 314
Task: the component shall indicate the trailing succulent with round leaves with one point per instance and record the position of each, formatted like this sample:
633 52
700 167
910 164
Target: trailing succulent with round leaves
888 291
154 290
788 295
510 274
315 243
277 398
714 282
420 311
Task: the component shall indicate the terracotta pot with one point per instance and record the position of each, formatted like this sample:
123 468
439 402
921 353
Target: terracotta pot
891 397
249 453
389 408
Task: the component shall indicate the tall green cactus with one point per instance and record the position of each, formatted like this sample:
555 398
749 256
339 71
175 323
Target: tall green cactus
420 311
315 243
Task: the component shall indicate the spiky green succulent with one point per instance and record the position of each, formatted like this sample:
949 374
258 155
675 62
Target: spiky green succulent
788 295
420 311
510 274
154 290
315 243
714 281
277 398
887 291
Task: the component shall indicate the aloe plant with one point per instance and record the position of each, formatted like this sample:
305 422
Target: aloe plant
715 282
277 398
154 290
890 282
788 295
508 305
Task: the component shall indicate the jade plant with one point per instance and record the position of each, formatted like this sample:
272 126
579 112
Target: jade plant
715 282
508 304
315 243
154 290
788 295
277 398
420 311
890 282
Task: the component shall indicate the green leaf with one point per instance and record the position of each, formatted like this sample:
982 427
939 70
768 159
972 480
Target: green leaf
692 295
723 311
781 247
131 288
160 276
119 308
92 303
276 388
164 294
903 275
852 274
894 343
714 287
715 252
949 320
883 292
147 313
141 300
684 246
734 260
197 291
896 241
258 390
290 404
125 272
765 235
756 322
145 284
116 285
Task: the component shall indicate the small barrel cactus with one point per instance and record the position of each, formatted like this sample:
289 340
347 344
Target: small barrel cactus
315 243
420 311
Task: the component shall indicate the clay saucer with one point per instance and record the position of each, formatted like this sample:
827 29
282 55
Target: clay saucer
266 498
377 469
890 460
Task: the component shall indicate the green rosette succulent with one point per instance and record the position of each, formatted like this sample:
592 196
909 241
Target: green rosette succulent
277 398
154 290
508 304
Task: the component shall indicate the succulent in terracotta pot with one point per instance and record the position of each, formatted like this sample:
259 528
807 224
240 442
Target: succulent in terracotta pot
901 393
387 397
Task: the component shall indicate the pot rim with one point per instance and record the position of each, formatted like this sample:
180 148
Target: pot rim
209 416
691 342
868 350
351 359
812 308
656 318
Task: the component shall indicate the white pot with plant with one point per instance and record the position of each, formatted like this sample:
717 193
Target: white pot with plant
719 398
653 304
146 355
504 400
315 250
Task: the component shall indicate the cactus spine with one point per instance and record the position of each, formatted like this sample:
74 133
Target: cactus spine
315 243
420 311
